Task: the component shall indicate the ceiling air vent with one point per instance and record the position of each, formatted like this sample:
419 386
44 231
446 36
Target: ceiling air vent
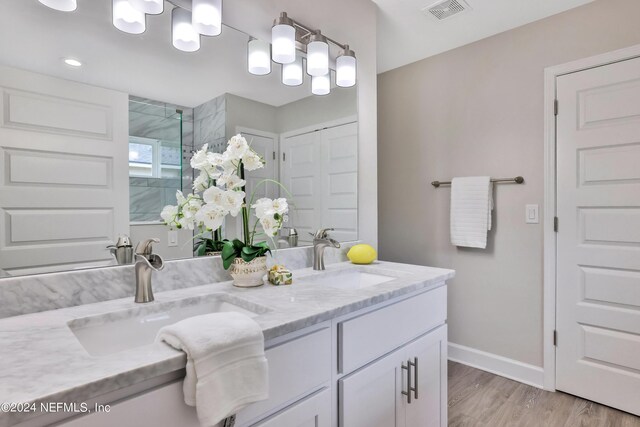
445 9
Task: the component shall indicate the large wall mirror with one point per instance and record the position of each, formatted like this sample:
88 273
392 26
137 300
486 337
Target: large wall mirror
94 149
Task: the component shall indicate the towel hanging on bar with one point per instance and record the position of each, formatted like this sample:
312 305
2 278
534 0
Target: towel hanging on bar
517 180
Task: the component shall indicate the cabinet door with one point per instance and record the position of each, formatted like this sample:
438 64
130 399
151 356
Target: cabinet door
428 407
314 411
371 396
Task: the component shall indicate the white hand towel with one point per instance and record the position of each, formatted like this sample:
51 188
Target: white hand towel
471 204
226 364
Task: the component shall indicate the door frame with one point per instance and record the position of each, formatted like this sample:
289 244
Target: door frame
550 242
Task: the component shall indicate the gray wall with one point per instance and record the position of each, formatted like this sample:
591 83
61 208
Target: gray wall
478 110
248 113
313 110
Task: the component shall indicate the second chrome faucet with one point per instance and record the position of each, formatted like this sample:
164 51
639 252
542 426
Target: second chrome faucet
146 263
321 240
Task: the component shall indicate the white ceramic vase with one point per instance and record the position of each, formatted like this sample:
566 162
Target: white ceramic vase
248 274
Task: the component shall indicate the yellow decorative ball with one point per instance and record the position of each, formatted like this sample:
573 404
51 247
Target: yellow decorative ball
362 254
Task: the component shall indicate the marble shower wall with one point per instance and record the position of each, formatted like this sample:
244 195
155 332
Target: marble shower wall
153 119
209 124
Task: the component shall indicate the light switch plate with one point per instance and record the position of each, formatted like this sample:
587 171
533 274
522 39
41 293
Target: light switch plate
531 214
172 238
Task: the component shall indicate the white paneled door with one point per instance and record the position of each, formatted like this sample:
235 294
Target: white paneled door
64 181
598 258
320 169
258 186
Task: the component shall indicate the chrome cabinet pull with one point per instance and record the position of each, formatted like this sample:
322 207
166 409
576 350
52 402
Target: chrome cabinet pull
415 371
409 387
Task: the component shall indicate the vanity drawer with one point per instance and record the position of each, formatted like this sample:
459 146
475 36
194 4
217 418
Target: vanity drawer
367 337
296 368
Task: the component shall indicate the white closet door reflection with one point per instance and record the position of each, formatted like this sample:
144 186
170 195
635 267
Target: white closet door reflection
320 168
340 181
264 143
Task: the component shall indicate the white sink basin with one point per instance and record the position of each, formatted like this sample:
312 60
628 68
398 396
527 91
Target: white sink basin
118 331
350 279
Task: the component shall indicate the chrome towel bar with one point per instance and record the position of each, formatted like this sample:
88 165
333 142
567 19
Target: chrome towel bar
517 180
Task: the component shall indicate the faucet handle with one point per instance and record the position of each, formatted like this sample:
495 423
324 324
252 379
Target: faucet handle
145 247
322 233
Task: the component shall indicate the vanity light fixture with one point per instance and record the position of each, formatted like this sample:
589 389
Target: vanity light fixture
321 85
72 62
151 7
207 17
183 35
283 40
127 18
61 5
346 68
292 74
291 40
317 55
259 57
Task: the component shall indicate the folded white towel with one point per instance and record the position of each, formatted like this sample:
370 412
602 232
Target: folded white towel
471 205
226 364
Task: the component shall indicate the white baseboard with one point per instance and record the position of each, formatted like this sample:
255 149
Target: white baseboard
503 366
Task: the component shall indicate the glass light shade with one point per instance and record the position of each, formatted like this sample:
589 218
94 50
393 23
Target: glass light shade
292 73
321 85
183 35
259 57
317 58
61 5
152 7
207 17
346 71
283 39
127 18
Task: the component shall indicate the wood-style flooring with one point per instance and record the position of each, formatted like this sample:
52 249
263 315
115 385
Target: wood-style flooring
481 399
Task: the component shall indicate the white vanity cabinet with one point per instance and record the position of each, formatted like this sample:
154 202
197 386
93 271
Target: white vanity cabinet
404 383
356 370
378 394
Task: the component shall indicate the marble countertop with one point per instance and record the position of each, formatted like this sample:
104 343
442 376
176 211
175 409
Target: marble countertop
42 360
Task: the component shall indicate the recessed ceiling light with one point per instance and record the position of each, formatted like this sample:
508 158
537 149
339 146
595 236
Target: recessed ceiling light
72 62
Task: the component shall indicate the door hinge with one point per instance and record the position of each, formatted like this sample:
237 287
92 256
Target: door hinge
555 338
274 155
555 107
555 224
284 156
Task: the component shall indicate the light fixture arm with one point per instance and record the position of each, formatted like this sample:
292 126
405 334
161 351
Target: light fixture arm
309 32
184 4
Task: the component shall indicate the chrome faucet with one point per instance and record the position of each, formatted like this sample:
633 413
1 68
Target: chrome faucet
320 241
146 263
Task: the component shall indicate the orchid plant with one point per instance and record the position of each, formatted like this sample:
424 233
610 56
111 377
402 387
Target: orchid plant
219 190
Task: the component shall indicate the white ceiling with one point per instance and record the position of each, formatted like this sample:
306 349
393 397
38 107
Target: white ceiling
36 38
406 35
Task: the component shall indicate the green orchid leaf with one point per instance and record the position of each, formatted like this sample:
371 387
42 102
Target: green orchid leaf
228 255
202 249
238 245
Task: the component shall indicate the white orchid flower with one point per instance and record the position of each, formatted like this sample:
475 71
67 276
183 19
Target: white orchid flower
231 181
268 208
233 201
191 207
199 159
252 161
236 147
180 198
187 222
211 215
213 195
201 183
270 226
169 214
